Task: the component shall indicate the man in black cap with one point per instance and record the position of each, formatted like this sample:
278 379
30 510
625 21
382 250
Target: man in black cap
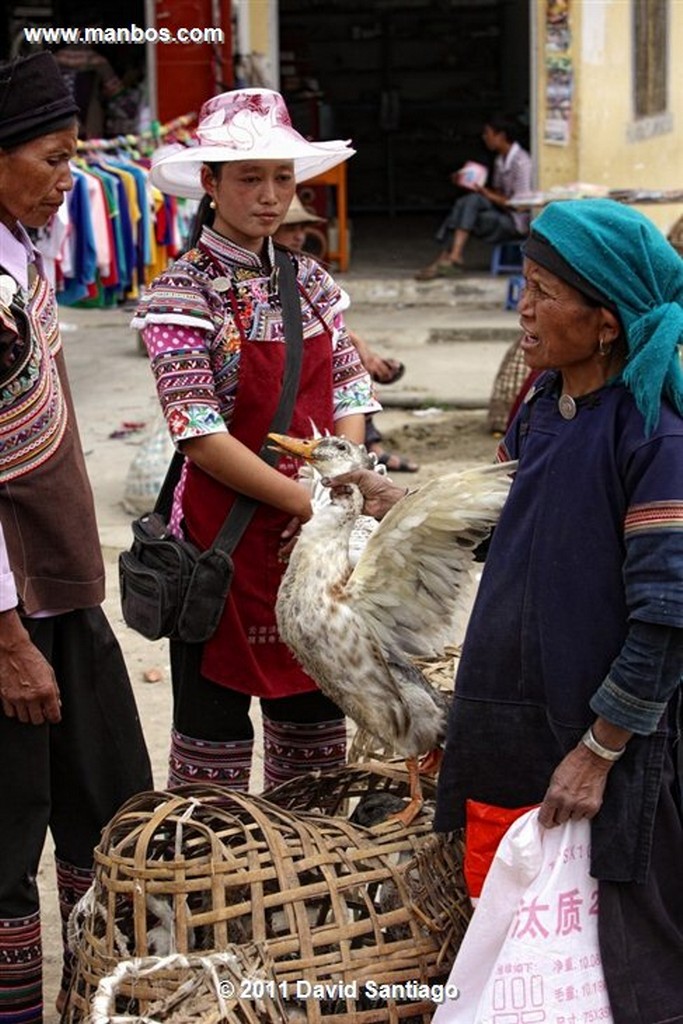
71 747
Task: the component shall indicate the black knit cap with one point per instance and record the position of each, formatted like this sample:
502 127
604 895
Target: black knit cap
34 99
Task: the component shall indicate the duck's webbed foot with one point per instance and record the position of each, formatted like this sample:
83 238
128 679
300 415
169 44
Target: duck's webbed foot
431 762
414 805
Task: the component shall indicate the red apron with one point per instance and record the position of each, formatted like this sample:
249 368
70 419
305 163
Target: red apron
246 653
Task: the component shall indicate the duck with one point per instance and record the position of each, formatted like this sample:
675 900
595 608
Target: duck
333 453
355 628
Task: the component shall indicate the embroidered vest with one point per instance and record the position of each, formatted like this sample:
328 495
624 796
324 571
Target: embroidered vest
46 504
32 409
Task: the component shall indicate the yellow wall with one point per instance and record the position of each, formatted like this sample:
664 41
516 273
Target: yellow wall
604 147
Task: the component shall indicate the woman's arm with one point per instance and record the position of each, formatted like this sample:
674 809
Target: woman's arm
28 688
577 786
233 464
352 427
632 699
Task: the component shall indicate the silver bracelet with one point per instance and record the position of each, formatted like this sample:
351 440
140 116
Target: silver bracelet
589 740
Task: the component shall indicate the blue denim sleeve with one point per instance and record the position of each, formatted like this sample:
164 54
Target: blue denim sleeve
642 679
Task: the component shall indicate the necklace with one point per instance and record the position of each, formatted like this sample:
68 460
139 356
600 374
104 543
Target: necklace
567 407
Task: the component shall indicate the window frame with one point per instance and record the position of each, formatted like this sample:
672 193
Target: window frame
646 120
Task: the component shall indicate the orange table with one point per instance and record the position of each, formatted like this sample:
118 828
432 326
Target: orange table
336 178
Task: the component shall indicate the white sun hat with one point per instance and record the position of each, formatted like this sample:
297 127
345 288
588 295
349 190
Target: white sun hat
244 124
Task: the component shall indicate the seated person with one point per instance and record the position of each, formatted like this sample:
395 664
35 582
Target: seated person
292 234
485 212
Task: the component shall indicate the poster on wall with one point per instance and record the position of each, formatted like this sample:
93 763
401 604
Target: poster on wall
559 70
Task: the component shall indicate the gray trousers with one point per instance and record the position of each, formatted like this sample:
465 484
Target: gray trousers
479 216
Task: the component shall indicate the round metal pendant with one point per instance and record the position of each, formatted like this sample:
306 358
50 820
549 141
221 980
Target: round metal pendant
567 407
221 284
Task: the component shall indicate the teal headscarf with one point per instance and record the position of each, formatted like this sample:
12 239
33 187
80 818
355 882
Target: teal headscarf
629 261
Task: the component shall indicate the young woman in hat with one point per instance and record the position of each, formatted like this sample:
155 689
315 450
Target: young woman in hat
214 331
71 748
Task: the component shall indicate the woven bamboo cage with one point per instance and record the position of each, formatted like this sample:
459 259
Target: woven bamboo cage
507 384
232 987
338 911
675 236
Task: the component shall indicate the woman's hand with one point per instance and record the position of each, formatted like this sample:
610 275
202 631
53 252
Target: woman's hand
288 538
379 492
28 688
576 788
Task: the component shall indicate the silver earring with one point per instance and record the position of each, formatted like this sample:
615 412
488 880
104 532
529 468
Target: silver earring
212 205
604 347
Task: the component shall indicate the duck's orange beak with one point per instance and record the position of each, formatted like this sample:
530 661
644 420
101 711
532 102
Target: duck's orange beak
303 448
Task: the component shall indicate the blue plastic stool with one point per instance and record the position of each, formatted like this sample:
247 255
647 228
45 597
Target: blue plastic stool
506 258
515 286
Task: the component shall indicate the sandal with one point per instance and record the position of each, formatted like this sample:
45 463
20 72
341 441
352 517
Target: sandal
429 273
397 463
450 269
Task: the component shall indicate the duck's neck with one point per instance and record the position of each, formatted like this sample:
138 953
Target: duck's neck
324 543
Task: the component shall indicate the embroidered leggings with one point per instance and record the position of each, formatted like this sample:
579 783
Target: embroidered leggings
213 735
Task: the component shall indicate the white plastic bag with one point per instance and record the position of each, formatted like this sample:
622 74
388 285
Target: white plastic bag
147 471
530 954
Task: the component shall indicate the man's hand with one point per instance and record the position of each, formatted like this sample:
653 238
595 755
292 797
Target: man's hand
379 492
28 688
576 788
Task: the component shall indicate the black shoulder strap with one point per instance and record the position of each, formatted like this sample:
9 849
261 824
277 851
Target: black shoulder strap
244 507
164 502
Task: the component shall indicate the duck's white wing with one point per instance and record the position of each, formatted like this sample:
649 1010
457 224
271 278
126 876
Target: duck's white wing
416 566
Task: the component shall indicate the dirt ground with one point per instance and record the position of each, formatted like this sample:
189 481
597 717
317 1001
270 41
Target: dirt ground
440 441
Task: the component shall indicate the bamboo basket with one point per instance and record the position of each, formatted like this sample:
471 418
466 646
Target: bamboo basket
507 384
232 987
675 236
338 911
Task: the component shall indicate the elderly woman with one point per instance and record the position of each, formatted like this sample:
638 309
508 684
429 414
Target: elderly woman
568 688
71 747
213 325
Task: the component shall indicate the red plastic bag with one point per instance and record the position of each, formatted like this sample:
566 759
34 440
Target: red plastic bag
485 826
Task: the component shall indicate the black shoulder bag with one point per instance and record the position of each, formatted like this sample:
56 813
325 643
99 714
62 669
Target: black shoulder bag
168 587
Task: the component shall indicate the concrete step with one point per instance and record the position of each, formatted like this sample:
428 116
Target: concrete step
471 332
397 330
450 375
471 291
